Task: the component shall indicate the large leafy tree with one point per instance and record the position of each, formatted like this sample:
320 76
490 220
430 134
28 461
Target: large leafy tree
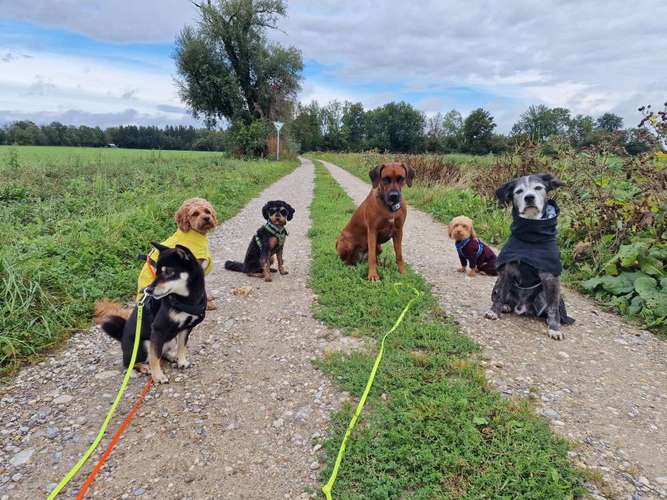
228 69
541 123
478 132
396 127
353 125
609 122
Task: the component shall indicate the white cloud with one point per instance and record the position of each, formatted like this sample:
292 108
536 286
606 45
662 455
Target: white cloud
592 56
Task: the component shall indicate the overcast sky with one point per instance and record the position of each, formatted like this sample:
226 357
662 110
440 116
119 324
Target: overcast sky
104 62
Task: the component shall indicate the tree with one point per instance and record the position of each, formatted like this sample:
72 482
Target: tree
609 122
541 123
332 125
25 133
478 132
353 126
306 128
581 131
395 127
228 70
452 125
3 136
435 134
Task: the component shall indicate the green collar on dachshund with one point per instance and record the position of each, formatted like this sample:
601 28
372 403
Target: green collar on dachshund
279 232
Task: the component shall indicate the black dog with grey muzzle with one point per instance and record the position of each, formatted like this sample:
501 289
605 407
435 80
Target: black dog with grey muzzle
529 263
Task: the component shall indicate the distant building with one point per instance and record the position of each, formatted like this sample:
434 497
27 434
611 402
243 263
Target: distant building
111 145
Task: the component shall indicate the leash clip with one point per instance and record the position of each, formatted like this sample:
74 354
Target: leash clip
147 293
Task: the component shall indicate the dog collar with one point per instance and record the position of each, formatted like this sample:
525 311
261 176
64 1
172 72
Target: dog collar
279 232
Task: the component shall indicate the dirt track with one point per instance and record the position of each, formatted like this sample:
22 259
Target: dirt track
244 422
604 386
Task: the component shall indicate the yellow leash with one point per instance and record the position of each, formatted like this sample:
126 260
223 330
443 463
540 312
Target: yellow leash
326 489
74 470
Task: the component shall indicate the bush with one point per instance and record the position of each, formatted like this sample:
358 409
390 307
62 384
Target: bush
247 141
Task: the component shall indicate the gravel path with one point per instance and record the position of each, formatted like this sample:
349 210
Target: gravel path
604 386
246 421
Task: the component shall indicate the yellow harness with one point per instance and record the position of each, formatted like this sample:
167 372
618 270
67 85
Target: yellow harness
196 242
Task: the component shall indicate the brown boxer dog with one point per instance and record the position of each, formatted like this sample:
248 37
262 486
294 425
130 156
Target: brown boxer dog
378 219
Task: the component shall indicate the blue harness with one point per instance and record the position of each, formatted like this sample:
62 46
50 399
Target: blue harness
460 245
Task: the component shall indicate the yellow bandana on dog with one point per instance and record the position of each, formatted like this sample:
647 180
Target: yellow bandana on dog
196 242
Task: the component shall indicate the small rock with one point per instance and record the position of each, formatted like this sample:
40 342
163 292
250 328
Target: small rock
21 457
64 399
661 479
553 414
314 466
229 469
106 374
52 432
278 423
138 492
17 477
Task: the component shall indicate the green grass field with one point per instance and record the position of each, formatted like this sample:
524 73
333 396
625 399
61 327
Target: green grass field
431 428
73 219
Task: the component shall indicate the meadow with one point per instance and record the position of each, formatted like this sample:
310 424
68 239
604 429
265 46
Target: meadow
432 427
73 221
613 223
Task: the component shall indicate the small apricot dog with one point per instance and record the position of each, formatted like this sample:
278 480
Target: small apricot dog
194 220
472 251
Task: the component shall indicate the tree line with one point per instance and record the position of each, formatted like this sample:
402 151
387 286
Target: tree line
126 136
399 127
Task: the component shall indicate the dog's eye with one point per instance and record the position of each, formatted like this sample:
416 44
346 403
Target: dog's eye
518 191
386 180
400 178
283 212
195 214
538 188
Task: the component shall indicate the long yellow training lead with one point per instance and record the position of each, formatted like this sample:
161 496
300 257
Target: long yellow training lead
75 469
326 489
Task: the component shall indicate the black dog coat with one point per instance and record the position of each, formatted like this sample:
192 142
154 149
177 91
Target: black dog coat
533 242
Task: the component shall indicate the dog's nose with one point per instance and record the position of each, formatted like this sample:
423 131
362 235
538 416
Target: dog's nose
529 198
394 197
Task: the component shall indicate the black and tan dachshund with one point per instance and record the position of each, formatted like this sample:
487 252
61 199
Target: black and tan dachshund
269 240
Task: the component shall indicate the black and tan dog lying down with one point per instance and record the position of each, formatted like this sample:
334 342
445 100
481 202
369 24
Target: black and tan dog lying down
176 304
269 240
529 263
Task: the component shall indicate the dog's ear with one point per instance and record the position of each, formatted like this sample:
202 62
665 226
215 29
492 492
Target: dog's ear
550 181
265 210
159 246
505 192
184 252
290 211
375 175
449 230
183 218
214 214
409 174
473 234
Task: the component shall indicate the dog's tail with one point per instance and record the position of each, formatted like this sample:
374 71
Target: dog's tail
111 318
232 265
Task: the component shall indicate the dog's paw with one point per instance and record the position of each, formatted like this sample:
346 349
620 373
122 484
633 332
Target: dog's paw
472 273
401 267
556 334
284 272
506 308
142 368
461 270
160 378
268 278
373 277
183 364
490 314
